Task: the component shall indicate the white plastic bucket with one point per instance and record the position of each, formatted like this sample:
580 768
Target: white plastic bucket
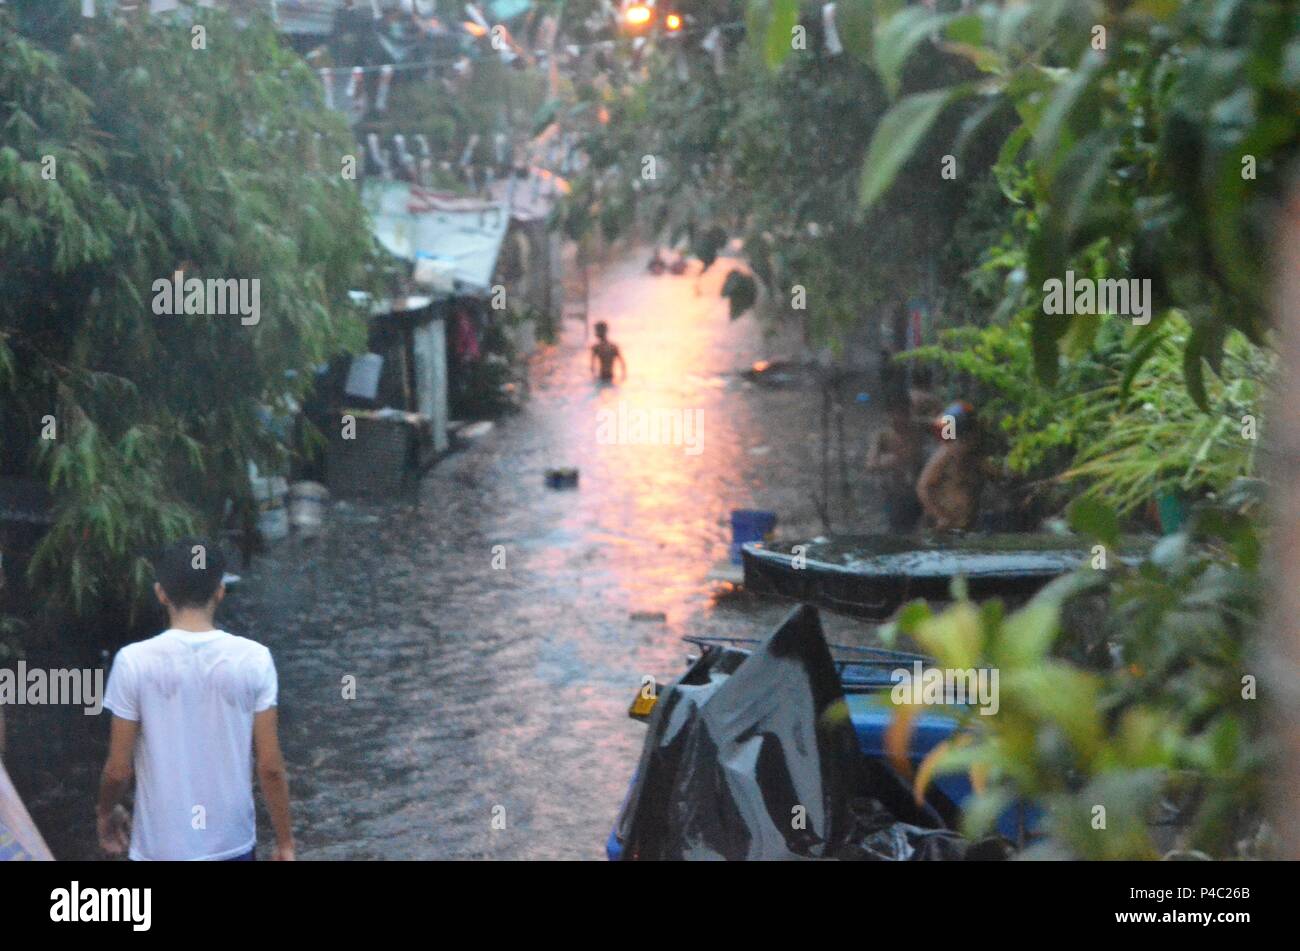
272 517
273 523
307 506
363 376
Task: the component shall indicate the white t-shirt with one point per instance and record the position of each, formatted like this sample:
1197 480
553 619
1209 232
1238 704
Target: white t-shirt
194 696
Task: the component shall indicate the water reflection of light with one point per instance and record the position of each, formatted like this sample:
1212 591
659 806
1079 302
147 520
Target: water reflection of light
660 510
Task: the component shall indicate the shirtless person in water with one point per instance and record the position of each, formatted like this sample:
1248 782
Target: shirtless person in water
605 353
897 454
950 483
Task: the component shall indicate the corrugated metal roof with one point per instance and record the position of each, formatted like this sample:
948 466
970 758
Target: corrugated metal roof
453 241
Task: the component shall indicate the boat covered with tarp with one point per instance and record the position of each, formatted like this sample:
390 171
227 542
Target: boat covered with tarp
775 749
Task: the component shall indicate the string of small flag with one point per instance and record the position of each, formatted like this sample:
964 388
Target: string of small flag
573 49
711 39
130 6
711 42
550 157
559 154
88 7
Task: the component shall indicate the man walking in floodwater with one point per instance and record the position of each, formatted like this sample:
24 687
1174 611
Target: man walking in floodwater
190 707
605 353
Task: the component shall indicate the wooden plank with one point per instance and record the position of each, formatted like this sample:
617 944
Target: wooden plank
726 571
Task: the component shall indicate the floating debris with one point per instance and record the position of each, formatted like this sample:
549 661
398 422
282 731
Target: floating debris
562 478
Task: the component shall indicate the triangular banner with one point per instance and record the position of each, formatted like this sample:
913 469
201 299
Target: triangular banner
833 44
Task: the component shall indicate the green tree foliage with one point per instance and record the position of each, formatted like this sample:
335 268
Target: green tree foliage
1148 140
770 150
1152 141
1140 735
1118 423
1112 429
220 162
1165 128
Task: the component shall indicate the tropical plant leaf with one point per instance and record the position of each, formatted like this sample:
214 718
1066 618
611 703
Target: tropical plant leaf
897 37
778 41
896 138
1095 519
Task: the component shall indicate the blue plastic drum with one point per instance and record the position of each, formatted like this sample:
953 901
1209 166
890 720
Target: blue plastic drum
749 525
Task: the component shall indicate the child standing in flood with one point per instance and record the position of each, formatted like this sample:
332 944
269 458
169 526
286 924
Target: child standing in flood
605 354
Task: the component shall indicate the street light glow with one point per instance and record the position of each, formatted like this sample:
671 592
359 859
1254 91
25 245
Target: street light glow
637 15
673 22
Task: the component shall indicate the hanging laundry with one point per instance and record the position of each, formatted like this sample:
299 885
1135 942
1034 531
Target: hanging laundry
467 156
327 80
377 155
385 81
357 92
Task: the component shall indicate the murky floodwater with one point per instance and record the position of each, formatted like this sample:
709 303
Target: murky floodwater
482 689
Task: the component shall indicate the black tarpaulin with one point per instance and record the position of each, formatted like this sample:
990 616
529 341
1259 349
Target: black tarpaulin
751 755
746 755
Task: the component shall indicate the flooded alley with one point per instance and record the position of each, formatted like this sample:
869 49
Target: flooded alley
481 687
647 430
485 691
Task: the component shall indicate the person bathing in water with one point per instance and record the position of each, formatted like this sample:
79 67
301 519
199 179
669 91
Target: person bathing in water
897 453
604 354
950 483
925 405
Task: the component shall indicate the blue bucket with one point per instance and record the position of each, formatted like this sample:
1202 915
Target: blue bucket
749 525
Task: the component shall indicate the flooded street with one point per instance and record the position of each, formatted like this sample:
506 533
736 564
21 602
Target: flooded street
481 688
393 395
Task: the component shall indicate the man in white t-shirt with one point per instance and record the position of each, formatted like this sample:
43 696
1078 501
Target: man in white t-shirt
190 708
